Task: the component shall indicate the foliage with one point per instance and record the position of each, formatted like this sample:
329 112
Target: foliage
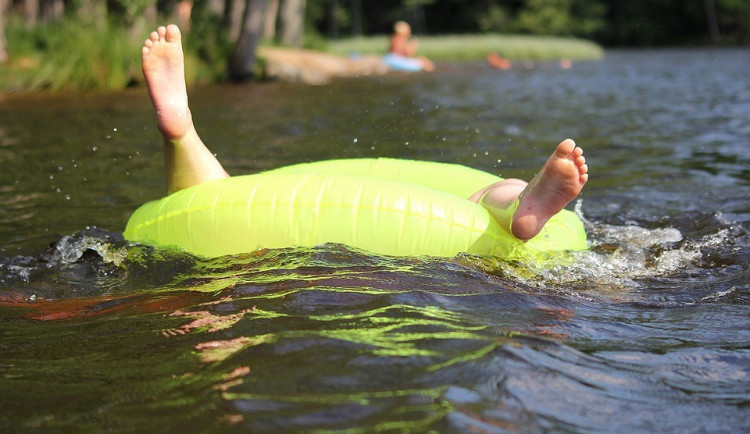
64 55
560 17
494 19
69 55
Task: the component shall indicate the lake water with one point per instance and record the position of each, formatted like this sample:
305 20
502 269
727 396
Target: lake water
649 331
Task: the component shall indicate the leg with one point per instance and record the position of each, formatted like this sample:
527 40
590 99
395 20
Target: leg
427 64
560 181
188 161
500 194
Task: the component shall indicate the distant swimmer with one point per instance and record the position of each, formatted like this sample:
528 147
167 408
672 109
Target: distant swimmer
402 53
498 62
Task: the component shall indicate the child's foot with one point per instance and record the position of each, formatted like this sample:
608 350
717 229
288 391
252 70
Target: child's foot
164 69
559 182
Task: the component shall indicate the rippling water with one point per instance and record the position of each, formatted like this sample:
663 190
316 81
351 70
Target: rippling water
647 331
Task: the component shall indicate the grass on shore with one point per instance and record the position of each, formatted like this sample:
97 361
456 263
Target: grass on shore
68 56
466 48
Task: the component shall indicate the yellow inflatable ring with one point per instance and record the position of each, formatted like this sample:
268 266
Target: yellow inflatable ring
386 206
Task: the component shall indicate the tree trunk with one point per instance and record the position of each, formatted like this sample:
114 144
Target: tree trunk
51 10
292 23
30 12
92 12
269 26
713 24
233 13
242 64
3 44
357 17
217 6
333 22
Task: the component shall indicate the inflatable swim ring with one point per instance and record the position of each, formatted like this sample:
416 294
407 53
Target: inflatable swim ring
386 206
402 63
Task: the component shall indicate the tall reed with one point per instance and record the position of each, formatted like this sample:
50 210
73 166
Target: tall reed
68 55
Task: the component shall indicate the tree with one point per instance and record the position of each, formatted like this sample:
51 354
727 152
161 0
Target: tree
713 24
234 11
560 17
292 22
269 24
92 12
242 63
30 12
51 10
3 44
356 17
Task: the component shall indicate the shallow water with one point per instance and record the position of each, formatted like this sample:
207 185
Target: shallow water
648 331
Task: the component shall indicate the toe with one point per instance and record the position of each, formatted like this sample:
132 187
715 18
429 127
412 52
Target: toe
172 33
565 148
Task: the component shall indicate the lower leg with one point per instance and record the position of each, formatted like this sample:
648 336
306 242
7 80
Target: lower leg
188 161
561 179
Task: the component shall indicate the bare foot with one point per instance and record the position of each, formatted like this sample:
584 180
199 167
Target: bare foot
188 161
164 69
559 182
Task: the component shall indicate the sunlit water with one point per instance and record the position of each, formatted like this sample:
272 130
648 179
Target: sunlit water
648 331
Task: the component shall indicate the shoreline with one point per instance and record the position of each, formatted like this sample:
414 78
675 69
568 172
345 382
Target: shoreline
113 63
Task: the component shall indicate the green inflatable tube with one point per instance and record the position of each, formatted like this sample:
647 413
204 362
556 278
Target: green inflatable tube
387 206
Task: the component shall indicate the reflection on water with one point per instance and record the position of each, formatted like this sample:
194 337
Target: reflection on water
647 331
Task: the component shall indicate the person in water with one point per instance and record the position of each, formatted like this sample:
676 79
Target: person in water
404 47
188 161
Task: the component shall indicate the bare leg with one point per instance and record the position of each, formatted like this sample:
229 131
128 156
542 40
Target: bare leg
500 194
561 179
188 161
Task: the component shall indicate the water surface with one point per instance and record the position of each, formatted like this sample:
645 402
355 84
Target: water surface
648 331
